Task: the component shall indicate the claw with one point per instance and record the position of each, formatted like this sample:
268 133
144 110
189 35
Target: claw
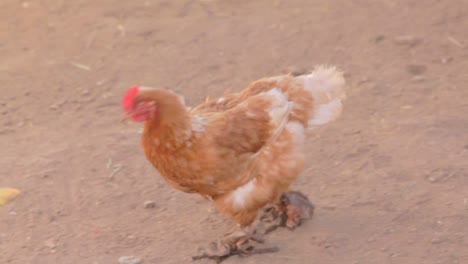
292 208
289 212
235 243
297 207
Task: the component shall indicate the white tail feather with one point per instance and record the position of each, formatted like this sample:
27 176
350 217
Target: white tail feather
327 86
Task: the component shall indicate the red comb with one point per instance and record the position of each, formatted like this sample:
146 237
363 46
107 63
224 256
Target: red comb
129 97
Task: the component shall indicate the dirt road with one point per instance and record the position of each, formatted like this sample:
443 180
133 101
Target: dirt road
389 179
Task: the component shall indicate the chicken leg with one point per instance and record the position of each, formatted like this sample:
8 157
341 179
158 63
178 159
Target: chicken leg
296 207
292 208
238 242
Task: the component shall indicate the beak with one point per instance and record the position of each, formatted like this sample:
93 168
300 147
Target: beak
125 117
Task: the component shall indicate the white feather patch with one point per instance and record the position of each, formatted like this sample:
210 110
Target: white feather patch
240 194
297 130
278 94
280 106
327 86
325 81
249 114
198 123
325 113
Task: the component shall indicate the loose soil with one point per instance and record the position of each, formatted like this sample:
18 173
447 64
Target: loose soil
389 179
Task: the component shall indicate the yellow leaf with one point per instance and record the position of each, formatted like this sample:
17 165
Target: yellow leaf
6 194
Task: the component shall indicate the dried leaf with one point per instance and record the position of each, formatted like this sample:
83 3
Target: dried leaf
7 194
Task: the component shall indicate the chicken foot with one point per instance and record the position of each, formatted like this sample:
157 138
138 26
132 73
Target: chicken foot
292 208
297 207
236 243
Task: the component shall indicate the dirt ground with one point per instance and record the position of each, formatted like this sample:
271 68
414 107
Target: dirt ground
389 179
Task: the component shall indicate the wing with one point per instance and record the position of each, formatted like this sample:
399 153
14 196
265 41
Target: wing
251 124
238 135
232 100
291 87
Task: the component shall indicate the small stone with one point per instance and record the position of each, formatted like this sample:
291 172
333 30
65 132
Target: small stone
436 240
85 92
418 78
130 260
446 60
406 107
50 243
432 179
149 204
101 82
407 40
416 69
53 107
379 38
62 102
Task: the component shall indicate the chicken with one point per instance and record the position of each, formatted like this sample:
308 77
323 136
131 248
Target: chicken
243 150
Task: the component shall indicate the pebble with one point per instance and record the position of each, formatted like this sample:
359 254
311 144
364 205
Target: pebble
149 204
50 243
416 69
130 260
418 78
437 240
379 38
446 60
85 92
407 40
431 179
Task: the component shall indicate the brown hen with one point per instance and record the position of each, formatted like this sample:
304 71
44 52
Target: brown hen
243 150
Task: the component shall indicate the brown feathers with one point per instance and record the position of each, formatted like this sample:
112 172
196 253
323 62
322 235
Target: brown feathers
244 149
